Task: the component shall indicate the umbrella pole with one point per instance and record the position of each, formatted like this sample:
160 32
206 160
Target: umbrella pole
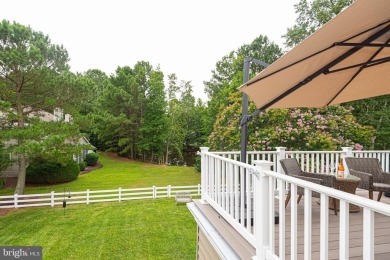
244 122
245 117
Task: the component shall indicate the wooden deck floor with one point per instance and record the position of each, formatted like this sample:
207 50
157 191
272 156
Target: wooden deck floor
382 232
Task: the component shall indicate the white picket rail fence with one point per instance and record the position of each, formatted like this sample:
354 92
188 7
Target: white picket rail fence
312 161
92 196
242 193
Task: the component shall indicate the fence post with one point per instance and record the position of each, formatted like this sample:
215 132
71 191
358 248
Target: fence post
199 189
169 191
262 214
16 200
154 192
119 194
204 168
347 152
52 198
87 196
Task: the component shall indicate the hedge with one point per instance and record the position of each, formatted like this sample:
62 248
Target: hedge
47 172
91 159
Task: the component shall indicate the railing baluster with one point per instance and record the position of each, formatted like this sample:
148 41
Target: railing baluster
236 193
344 230
248 201
272 210
242 195
282 220
368 233
223 187
294 222
324 228
308 224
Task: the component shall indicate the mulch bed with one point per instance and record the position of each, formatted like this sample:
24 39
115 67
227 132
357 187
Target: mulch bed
11 183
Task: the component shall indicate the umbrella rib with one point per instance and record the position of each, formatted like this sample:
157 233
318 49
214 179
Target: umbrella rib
316 53
368 64
365 64
326 67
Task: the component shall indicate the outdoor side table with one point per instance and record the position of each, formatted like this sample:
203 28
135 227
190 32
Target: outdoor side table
349 185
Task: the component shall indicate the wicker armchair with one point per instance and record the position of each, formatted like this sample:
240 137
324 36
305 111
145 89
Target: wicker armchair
373 178
291 167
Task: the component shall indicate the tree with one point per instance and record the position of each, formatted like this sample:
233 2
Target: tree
228 74
311 16
375 112
154 127
175 134
34 76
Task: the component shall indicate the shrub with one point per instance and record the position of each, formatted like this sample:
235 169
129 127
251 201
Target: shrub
2 182
197 164
83 166
91 159
46 172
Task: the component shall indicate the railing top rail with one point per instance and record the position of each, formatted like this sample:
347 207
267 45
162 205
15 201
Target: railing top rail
317 152
249 152
241 164
351 198
373 151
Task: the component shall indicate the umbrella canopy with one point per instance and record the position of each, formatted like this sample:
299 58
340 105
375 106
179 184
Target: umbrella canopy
347 59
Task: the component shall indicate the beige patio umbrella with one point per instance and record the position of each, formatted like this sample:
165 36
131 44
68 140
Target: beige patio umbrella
347 59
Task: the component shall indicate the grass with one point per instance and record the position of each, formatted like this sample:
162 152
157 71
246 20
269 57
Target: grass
148 229
121 172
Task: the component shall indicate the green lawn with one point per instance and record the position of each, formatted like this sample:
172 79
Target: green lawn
147 229
120 172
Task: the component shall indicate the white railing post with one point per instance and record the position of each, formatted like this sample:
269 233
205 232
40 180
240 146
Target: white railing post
154 192
199 189
119 194
52 198
261 212
169 191
16 200
204 175
87 196
281 154
347 152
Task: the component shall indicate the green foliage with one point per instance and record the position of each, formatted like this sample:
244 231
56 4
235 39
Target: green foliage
91 159
34 78
375 112
198 161
297 129
228 75
47 172
83 166
2 182
311 16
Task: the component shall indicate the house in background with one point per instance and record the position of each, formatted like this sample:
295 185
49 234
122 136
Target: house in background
45 116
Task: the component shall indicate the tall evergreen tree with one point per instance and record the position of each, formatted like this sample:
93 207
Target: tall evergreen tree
34 76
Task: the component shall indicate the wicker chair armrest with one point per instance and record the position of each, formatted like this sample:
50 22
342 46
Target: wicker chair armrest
367 179
310 179
386 177
327 180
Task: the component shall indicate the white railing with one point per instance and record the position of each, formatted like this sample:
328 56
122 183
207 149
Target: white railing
312 161
242 193
92 196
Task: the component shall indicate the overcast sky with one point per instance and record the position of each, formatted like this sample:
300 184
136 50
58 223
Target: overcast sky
183 37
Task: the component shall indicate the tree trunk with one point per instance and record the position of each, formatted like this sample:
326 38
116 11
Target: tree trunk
21 175
151 157
167 155
21 156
